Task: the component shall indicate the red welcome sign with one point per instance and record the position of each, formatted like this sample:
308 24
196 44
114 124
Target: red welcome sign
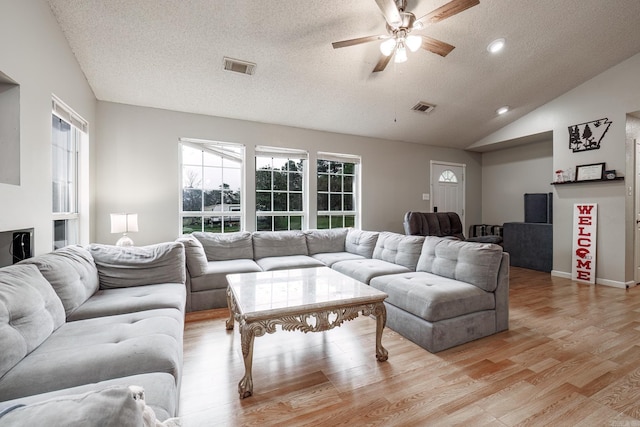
585 224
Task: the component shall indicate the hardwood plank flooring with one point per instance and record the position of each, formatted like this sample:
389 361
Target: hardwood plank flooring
570 358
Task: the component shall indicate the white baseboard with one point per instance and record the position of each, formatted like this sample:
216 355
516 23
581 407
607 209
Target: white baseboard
599 281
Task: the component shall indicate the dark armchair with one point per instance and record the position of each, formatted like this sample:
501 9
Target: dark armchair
440 224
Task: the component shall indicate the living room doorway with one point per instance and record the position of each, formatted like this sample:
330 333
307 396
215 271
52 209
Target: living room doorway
448 188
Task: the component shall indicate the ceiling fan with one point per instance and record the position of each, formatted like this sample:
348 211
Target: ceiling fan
400 24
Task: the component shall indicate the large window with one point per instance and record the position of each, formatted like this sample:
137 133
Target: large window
68 131
211 192
280 189
337 190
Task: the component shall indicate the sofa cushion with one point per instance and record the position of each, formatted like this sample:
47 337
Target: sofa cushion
279 243
399 249
366 269
287 262
195 255
326 241
112 406
330 258
361 242
226 246
120 267
72 273
475 263
109 302
30 311
431 297
216 275
99 349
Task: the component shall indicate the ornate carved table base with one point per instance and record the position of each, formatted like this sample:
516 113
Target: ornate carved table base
304 321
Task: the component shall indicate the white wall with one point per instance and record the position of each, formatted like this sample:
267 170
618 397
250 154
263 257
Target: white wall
35 54
508 174
137 168
611 94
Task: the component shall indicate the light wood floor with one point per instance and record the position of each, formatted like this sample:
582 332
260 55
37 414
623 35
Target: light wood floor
571 357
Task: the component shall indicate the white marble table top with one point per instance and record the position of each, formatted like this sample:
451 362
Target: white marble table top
277 292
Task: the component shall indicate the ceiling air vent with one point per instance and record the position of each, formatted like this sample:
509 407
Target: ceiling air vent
237 66
423 107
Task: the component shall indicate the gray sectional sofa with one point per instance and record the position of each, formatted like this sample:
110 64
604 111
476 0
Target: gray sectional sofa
82 324
442 291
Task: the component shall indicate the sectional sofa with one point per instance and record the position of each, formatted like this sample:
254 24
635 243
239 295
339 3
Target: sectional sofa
80 325
442 291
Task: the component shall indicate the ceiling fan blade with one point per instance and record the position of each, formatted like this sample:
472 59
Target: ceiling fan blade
382 63
390 12
443 12
359 40
436 46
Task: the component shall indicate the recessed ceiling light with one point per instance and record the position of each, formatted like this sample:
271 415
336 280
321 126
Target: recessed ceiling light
496 45
502 110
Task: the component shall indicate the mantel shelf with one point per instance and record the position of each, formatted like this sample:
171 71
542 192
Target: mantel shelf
618 178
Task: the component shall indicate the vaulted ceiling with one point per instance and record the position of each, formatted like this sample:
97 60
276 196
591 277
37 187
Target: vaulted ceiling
169 54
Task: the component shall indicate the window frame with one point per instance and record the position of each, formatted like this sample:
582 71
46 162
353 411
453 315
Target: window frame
226 151
355 194
69 216
287 155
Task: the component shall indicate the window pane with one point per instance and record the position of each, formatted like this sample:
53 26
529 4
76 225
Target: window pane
337 221
191 199
280 181
264 223
65 232
348 184
213 224
323 222
191 224
263 163
263 201
280 201
211 159
280 223
323 182
323 165
295 202
335 202
336 183
279 164
349 221
212 178
348 202
323 202
191 156
231 224
350 168
295 182
295 223
263 180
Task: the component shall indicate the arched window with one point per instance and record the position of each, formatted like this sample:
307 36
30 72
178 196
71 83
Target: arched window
448 176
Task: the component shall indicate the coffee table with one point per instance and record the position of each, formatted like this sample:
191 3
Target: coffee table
306 299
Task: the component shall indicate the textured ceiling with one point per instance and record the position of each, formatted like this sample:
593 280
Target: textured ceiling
169 54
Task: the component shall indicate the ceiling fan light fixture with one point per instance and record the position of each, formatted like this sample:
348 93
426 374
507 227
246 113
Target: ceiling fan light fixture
387 46
496 46
401 54
413 42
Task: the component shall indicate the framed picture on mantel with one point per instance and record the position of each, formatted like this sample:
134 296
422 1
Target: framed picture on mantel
589 172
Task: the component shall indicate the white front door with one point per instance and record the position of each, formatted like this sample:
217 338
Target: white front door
447 188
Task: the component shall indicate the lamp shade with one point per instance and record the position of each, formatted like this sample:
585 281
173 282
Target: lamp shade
124 222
